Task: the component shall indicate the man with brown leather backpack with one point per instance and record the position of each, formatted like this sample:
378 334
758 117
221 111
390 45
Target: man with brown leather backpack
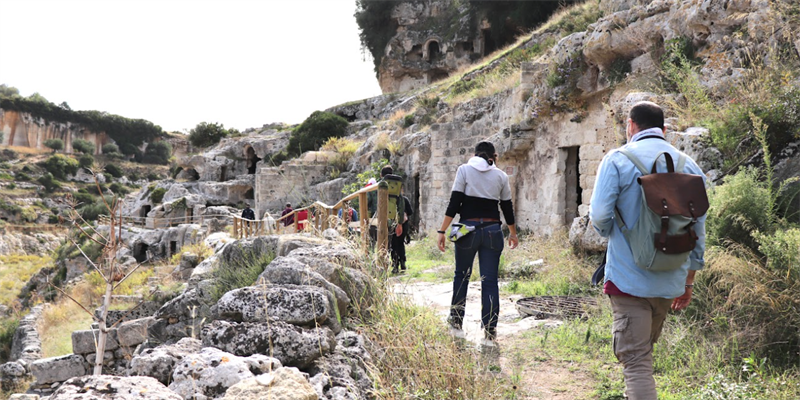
649 199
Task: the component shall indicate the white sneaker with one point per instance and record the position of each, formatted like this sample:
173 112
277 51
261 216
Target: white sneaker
457 333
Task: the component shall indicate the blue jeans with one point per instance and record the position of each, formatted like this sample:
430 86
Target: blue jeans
488 243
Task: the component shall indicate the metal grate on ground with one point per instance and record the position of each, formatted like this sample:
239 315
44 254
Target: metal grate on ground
558 307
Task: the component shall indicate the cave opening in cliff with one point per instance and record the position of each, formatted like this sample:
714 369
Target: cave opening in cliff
189 215
415 54
191 174
249 194
252 159
573 193
437 75
140 252
144 211
489 45
223 171
434 53
173 247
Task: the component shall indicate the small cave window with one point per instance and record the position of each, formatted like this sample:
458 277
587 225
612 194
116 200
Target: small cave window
140 252
249 194
173 247
223 171
252 159
488 42
145 210
434 53
415 54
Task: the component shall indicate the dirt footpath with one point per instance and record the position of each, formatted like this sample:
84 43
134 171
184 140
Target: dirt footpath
536 376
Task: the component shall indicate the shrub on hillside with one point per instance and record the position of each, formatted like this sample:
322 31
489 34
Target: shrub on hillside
157 153
83 146
21 177
738 206
119 189
157 195
83 198
86 161
55 144
110 148
49 182
113 170
207 134
314 131
239 272
60 166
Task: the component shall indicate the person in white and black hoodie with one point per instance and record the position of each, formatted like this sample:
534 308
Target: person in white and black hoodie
478 189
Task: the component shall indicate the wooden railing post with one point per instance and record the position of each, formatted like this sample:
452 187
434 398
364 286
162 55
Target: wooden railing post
383 222
296 223
325 213
362 213
235 227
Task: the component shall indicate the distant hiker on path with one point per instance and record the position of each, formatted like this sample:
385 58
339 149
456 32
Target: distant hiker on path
289 220
248 215
478 189
398 240
641 297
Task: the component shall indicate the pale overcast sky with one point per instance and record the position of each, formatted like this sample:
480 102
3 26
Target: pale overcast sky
242 63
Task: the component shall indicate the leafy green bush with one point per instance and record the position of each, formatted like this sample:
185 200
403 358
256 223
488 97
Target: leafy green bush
113 170
157 153
738 207
152 176
782 250
157 195
91 211
8 326
207 134
314 131
60 166
110 148
86 161
239 272
83 146
49 182
83 198
55 144
119 189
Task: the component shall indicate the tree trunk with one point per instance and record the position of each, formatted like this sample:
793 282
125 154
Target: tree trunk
101 339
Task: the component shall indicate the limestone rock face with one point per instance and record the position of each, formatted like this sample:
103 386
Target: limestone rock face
12 375
283 271
182 316
57 369
160 362
343 373
23 129
209 373
297 305
105 387
282 384
583 236
33 244
425 49
292 345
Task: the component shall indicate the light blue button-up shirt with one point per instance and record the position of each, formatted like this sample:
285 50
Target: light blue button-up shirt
616 186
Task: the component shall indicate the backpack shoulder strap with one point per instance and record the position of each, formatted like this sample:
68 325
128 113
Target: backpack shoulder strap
635 160
681 162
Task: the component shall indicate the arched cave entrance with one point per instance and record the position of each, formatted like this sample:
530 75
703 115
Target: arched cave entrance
488 42
251 158
249 194
144 211
140 252
191 174
434 53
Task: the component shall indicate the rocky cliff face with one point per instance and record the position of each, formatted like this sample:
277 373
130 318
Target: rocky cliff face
22 129
434 38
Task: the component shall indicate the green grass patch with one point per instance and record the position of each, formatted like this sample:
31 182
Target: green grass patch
15 271
239 272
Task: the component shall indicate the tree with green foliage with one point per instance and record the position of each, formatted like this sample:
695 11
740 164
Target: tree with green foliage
157 153
86 161
60 166
315 131
37 98
157 195
55 144
110 148
207 134
83 146
113 170
8 91
374 19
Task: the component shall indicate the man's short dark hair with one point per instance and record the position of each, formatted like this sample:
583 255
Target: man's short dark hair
387 170
647 114
289 205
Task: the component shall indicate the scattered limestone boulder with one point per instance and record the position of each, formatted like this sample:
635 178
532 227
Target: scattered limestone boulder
12 375
584 237
209 373
289 271
282 384
160 362
57 369
83 342
134 332
298 305
292 345
105 387
182 316
343 373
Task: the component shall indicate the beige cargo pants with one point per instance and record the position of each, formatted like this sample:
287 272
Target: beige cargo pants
637 326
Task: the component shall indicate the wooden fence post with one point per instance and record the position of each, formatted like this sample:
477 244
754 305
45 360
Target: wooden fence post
362 212
383 223
235 227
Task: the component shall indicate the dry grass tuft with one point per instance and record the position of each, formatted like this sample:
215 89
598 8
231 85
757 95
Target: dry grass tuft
15 271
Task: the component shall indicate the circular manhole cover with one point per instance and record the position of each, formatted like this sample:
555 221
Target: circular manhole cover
561 307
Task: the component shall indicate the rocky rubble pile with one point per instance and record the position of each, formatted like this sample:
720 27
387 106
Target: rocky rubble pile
283 335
